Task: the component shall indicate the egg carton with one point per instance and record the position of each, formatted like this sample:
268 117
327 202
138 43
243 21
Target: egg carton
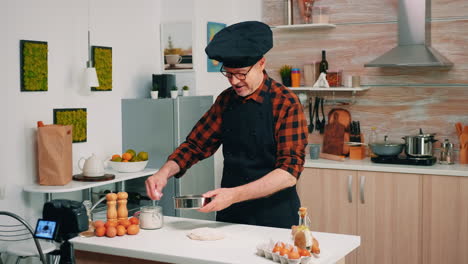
264 250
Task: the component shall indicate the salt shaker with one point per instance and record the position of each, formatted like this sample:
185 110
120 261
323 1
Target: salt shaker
446 153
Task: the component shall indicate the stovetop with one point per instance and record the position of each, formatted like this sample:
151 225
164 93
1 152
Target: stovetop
427 161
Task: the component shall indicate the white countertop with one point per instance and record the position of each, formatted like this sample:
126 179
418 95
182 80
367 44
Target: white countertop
80 185
170 243
367 165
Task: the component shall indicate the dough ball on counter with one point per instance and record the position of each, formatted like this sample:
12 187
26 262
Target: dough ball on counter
205 234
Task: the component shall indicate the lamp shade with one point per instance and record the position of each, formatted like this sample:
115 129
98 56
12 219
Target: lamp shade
91 77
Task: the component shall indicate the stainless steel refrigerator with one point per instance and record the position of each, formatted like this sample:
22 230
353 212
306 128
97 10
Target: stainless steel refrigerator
159 126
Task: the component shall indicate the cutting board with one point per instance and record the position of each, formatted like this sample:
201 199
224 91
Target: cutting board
333 139
344 118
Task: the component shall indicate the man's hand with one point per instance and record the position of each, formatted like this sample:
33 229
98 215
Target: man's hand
220 199
155 185
156 182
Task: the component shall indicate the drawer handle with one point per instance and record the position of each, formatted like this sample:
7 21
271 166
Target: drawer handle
363 181
350 188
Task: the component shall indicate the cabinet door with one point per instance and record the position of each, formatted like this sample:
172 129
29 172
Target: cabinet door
389 217
445 220
330 198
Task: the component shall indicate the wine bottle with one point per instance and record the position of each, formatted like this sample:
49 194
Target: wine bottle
323 63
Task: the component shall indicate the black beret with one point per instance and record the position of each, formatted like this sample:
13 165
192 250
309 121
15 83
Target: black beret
240 45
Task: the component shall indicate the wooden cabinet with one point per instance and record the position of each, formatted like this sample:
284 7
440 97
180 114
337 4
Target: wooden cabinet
330 197
389 217
445 220
383 208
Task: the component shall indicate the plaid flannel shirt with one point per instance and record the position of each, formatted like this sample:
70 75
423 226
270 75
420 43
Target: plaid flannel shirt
290 129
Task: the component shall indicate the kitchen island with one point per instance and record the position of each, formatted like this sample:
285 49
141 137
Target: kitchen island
170 244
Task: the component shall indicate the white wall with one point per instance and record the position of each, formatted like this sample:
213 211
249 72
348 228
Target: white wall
201 12
131 28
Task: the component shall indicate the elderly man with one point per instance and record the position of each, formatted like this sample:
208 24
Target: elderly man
262 128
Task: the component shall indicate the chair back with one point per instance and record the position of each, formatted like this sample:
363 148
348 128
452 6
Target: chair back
17 231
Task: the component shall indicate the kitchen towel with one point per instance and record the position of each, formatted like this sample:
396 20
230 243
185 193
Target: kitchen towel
321 81
54 155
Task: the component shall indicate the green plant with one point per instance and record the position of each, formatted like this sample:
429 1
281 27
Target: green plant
285 71
155 87
34 69
174 88
76 117
102 57
185 88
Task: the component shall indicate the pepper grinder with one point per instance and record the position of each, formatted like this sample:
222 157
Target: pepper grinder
446 153
111 207
122 212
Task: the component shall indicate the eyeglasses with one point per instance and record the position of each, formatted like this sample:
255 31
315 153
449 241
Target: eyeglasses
240 76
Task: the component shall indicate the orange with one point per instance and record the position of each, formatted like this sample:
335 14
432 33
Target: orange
98 223
133 229
124 160
127 156
125 222
100 231
111 231
121 230
115 156
110 223
134 221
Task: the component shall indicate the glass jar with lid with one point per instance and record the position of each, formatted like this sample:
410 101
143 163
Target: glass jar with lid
151 217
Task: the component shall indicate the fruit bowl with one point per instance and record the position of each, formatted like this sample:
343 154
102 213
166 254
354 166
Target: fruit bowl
128 166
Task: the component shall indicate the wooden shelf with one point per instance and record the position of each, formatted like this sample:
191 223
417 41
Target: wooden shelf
304 26
331 89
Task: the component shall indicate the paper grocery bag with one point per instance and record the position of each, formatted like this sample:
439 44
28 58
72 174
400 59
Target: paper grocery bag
54 153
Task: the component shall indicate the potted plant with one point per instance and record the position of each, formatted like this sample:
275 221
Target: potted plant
285 72
154 91
185 90
174 92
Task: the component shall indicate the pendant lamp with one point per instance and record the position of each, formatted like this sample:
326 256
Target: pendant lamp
91 74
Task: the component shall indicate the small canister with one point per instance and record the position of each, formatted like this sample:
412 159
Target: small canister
295 77
446 152
151 217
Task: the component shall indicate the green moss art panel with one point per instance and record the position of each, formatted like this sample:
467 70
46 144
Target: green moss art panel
34 68
77 117
102 58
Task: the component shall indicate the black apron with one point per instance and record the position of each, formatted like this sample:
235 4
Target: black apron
249 149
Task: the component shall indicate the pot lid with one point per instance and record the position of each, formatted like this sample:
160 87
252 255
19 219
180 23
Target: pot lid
423 135
387 143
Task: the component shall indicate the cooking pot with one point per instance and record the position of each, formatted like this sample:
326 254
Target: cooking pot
386 148
419 145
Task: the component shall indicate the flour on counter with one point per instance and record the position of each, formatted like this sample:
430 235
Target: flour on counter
205 233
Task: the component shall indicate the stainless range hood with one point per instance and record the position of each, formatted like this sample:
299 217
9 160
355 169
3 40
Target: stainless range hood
414 39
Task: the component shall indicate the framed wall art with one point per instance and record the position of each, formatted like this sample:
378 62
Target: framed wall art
176 44
211 29
102 58
33 66
77 117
